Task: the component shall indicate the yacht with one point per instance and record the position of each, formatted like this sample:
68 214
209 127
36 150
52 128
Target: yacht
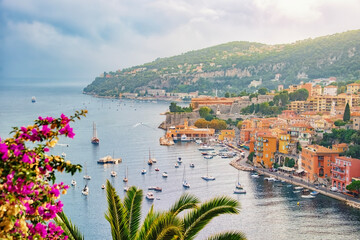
95 140
176 165
113 173
186 184
73 182
150 196
103 186
255 175
143 171
192 165
33 99
157 169
179 160
165 175
205 148
158 189
239 191
85 191
207 177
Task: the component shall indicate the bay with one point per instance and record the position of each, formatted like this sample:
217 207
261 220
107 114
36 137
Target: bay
128 129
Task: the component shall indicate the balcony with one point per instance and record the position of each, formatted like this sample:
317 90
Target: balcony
338 178
338 170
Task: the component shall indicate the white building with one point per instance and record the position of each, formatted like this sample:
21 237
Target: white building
330 90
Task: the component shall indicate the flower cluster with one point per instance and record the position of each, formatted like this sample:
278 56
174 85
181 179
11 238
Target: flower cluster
27 199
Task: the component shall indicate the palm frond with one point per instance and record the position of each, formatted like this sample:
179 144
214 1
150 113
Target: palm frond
186 201
69 228
148 221
165 226
196 220
116 214
132 204
234 235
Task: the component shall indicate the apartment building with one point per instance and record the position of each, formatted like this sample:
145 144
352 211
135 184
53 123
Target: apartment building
343 170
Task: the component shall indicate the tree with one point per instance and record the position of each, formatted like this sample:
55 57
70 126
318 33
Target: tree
204 111
124 217
29 195
172 107
201 123
299 95
354 186
263 91
239 124
353 151
339 123
227 94
346 116
251 156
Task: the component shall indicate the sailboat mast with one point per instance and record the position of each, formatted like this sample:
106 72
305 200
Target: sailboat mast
94 130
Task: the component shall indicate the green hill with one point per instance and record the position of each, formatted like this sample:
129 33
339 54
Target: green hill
231 67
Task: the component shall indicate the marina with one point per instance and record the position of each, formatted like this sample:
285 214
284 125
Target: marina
132 143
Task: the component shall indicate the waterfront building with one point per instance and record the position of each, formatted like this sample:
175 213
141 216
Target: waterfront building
265 146
316 160
343 170
330 90
227 135
245 134
191 132
352 88
284 142
156 92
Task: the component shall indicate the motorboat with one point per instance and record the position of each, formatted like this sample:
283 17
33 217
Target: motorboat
185 138
270 179
113 174
305 193
157 169
176 165
33 99
298 188
239 191
297 191
208 156
158 189
73 182
208 178
186 184
103 186
87 177
255 175
150 196
198 141
192 165
179 160
143 171
165 175
126 189
85 190
205 148
314 193
63 155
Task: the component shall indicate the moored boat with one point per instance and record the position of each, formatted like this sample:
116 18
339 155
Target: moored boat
113 174
143 171
85 190
95 140
164 174
103 186
192 165
150 196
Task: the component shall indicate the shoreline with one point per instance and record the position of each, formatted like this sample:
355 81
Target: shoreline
241 164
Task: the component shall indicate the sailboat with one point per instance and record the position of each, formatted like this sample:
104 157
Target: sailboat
94 140
33 99
86 176
185 183
126 175
73 182
150 162
85 191
207 177
238 187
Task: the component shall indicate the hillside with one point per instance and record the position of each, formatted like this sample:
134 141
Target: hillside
231 67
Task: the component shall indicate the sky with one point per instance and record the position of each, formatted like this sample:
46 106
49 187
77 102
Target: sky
62 40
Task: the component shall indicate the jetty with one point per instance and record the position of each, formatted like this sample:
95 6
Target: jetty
164 141
109 160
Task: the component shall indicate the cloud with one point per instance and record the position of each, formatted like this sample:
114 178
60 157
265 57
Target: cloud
86 37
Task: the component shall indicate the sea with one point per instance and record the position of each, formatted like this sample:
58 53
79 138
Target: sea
129 129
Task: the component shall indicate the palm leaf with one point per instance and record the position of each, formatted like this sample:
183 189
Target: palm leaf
165 226
132 204
196 220
235 235
116 214
148 221
70 229
186 201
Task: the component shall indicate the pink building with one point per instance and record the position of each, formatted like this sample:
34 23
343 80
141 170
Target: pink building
343 170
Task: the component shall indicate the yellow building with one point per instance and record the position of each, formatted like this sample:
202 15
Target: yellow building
353 88
341 147
227 135
284 141
316 90
265 147
297 106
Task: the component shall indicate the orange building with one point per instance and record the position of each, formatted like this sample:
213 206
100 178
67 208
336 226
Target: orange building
343 170
245 134
206 101
341 147
188 132
316 160
227 135
265 147
353 88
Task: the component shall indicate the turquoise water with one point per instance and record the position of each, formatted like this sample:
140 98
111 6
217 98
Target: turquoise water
128 129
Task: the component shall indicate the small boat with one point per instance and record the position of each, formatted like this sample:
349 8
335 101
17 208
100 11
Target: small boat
157 169
192 165
150 196
297 191
270 179
185 183
63 155
255 175
185 138
207 177
238 184
150 162
73 182
85 191
205 148
113 173
307 196
33 99
298 188
198 141
143 171
95 140
208 156
239 191
103 186
179 160
176 165
126 189
165 175
158 189
87 177
204 153
314 193
125 179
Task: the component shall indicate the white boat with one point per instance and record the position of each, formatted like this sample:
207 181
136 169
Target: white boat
150 196
176 165
103 186
205 148
126 188
179 160
158 189
238 184
164 174
73 182
270 179
307 196
185 183
297 191
113 173
198 141
314 193
255 175
192 165
95 140
85 191
33 99
208 156
143 171
239 191
184 138
63 155
86 176
298 188
207 177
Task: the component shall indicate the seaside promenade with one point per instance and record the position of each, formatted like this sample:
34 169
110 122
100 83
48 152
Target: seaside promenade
241 164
